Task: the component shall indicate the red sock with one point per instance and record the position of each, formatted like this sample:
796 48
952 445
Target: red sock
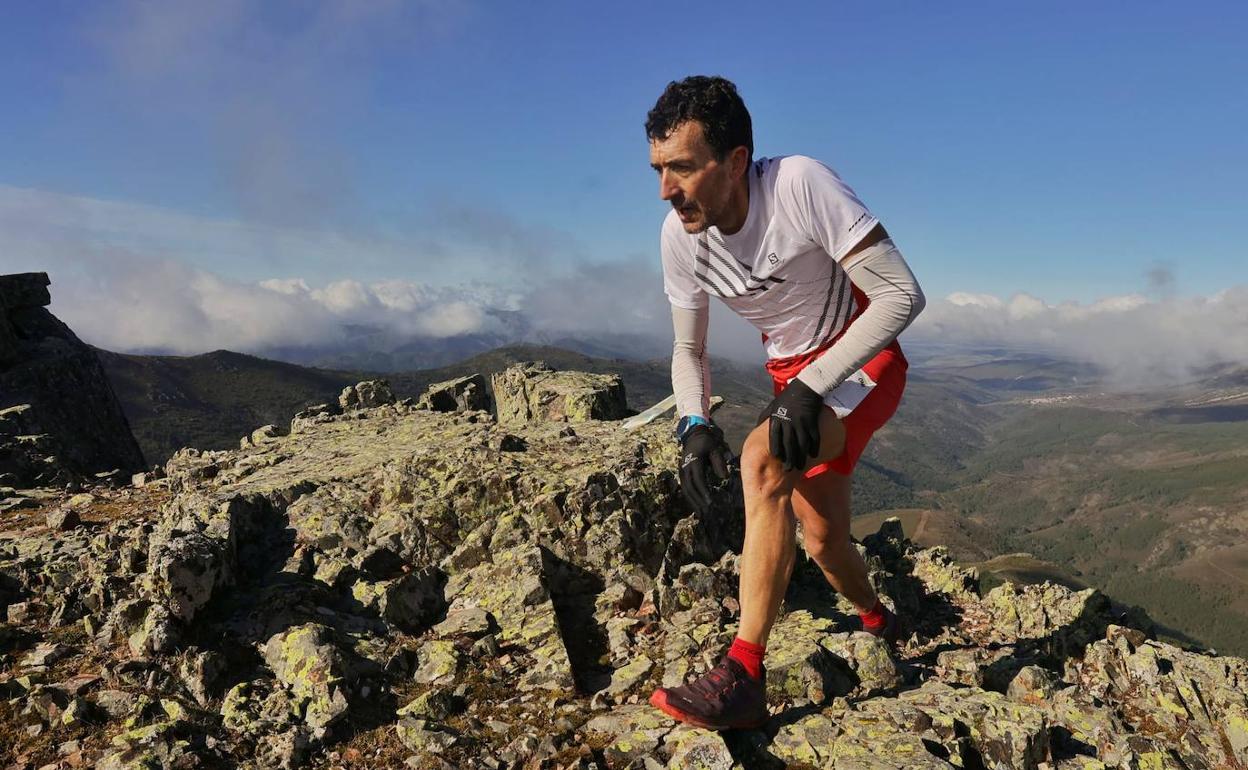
749 655
875 618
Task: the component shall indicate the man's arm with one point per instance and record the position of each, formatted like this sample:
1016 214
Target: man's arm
691 375
877 268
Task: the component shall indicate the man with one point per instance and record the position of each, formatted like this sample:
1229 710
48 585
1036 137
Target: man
788 246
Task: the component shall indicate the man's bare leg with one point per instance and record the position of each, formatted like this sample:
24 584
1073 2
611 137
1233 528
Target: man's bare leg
733 694
768 553
822 504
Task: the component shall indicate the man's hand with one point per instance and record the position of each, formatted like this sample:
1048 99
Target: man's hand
703 447
794 430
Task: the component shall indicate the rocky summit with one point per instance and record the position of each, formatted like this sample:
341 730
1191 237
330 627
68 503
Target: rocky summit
419 584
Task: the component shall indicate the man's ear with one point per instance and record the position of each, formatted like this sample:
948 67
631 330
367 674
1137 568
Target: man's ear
739 161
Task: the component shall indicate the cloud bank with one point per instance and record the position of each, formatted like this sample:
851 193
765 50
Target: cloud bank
1136 339
137 278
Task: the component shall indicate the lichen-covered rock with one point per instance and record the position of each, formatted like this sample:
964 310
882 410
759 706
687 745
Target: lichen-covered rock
878 735
411 602
694 749
462 394
629 675
1196 704
798 666
473 622
511 588
308 662
365 395
940 574
1004 733
532 391
870 660
423 736
978 667
1032 684
439 662
1065 620
566 576
436 704
630 733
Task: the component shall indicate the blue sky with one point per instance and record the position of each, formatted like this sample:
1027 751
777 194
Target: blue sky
1071 151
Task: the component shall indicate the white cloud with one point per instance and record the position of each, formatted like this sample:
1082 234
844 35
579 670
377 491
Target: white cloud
1136 340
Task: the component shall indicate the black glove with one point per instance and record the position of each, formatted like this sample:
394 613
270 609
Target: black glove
701 447
794 430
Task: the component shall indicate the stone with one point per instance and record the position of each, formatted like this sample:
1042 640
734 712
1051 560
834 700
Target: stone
1032 684
511 589
532 391
63 519
306 660
694 749
870 660
473 622
630 733
77 713
627 677
1067 620
462 394
411 602
366 395
436 704
115 703
973 666
203 674
798 666
264 435
20 612
1005 733
422 736
940 574
439 662
46 654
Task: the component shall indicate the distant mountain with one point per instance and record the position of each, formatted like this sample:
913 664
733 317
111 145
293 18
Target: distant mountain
380 349
211 400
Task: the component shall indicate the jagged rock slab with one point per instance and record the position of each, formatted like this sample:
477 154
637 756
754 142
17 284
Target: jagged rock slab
462 394
512 589
533 392
60 421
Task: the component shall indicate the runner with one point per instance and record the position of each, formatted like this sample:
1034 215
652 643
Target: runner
789 247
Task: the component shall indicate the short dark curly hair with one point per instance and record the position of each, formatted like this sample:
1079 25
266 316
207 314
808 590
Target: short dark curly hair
712 101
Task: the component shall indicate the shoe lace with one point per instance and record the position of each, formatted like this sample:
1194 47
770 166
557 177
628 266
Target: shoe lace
717 684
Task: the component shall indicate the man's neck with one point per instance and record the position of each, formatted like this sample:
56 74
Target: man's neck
739 206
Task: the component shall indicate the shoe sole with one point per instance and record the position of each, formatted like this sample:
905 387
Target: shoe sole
659 701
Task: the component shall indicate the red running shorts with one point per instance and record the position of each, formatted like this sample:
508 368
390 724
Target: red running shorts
864 402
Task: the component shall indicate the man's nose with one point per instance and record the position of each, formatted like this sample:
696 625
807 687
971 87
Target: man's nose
667 186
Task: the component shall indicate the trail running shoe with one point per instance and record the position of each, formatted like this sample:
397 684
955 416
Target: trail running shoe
725 698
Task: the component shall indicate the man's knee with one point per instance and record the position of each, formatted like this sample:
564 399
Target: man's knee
824 546
759 469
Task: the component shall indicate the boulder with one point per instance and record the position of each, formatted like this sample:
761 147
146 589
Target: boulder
308 662
365 395
533 392
462 394
60 421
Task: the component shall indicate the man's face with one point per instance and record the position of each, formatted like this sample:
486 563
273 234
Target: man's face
698 186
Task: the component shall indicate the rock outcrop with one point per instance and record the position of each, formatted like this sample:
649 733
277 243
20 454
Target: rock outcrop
59 419
388 584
